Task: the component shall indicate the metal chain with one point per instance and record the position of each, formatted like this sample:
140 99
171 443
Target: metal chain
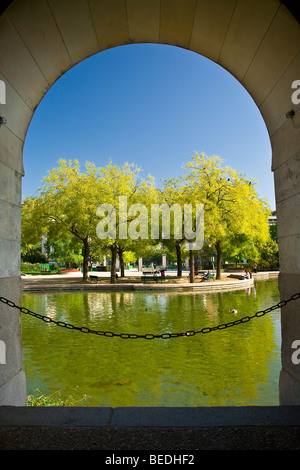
110 334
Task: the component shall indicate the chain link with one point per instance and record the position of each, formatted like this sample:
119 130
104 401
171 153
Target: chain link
110 334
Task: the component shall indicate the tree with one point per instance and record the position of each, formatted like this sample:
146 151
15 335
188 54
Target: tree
68 250
172 200
268 255
31 234
66 206
123 223
232 208
75 204
34 255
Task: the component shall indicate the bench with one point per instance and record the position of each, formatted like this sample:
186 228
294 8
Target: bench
95 278
153 278
210 277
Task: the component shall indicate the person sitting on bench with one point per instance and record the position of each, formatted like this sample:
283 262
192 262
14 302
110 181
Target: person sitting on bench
207 276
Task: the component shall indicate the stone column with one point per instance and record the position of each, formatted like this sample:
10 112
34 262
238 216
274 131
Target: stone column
12 378
284 131
288 203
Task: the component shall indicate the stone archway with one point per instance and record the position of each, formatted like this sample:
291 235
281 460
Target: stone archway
257 42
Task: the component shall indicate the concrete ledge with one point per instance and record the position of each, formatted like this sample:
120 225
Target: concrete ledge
205 286
150 416
203 416
217 428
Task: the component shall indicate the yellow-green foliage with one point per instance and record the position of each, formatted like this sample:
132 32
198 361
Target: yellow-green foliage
234 214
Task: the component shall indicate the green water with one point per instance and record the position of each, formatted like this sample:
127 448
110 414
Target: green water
232 367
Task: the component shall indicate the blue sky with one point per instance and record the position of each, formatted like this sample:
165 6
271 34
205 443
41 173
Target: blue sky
152 105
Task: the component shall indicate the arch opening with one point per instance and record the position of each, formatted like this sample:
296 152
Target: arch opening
94 113
261 51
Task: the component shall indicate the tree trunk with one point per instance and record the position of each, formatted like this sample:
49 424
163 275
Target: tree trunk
179 263
113 278
219 259
120 252
192 268
86 254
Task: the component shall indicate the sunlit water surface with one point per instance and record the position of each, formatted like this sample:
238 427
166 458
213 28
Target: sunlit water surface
232 367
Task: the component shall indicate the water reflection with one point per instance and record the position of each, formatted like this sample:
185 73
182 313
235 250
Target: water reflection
236 366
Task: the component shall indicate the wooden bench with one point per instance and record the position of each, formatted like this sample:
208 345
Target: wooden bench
153 278
94 278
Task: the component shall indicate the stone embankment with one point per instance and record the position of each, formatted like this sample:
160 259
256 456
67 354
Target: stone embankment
74 282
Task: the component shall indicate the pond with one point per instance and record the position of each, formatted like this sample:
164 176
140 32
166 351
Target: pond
236 366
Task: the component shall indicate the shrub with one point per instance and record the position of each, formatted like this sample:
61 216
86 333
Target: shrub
39 399
25 266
